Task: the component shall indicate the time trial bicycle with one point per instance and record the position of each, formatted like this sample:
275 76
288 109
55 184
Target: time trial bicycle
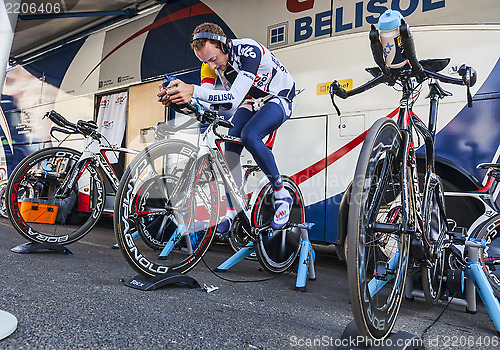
58 194
389 214
168 204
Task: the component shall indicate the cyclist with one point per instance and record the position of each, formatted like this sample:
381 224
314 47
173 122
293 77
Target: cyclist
261 90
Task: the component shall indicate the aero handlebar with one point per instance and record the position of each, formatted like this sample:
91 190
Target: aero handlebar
390 76
86 128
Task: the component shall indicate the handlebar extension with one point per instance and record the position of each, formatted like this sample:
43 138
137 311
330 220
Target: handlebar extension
60 120
377 50
409 50
86 128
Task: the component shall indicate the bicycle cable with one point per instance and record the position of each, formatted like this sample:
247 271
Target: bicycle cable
437 319
115 152
281 274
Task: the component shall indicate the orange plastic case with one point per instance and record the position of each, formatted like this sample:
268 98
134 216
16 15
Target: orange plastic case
38 212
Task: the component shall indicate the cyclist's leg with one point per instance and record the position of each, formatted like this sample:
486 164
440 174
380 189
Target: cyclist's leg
265 121
232 154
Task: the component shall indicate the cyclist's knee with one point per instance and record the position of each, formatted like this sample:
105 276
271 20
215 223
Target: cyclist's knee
250 139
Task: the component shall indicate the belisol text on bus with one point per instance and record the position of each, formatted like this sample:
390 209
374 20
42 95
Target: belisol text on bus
364 12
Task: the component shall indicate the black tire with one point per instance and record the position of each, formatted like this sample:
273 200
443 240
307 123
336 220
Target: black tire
489 258
379 168
277 254
31 197
436 227
152 203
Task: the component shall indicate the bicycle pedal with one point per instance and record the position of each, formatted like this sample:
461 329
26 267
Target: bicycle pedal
381 271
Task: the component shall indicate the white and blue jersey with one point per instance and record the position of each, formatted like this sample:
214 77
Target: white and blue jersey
252 73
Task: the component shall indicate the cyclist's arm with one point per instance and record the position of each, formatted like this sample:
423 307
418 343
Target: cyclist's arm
231 98
250 61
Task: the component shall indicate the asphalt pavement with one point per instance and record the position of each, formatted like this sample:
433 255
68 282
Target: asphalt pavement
79 301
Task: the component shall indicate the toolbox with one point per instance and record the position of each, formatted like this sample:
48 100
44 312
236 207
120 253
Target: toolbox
33 210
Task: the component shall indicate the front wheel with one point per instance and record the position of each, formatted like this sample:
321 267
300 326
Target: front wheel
166 208
377 258
278 252
37 206
489 257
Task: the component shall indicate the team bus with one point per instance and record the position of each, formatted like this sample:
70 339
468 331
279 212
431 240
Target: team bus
112 75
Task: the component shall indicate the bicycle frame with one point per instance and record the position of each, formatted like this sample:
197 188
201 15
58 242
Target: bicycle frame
408 122
413 217
95 154
211 144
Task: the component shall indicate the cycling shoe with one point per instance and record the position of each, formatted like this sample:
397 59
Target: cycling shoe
282 209
223 228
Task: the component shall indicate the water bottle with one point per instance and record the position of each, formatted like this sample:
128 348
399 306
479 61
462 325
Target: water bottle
388 26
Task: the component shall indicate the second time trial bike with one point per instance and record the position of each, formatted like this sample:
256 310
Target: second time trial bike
58 194
394 223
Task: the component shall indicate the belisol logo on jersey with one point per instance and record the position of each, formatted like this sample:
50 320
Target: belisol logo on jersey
221 97
351 16
104 103
260 81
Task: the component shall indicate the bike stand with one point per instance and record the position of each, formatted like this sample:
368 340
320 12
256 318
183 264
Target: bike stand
306 261
352 340
34 247
236 258
151 283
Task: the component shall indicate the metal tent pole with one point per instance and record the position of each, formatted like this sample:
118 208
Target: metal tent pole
8 322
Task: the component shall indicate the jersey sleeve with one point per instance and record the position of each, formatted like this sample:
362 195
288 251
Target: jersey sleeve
227 99
250 58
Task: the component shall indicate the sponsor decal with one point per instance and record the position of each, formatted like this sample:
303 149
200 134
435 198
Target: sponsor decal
124 78
324 88
246 51
120 100
105 83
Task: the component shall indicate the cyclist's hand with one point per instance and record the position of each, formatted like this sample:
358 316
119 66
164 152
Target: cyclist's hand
163 96
180 92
